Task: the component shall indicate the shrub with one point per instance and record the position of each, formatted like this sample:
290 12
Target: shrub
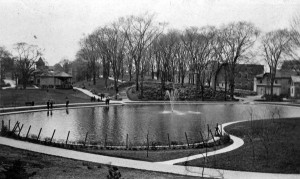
4 131
225 139
17 170
113 173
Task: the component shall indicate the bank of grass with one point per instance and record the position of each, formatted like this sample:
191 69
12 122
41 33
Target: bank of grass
270 146
100 86
46 166
13 97
155 155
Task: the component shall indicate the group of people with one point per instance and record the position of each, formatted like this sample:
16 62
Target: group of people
50 104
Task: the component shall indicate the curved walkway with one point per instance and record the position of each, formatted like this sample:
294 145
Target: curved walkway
142 165
87 92
237 142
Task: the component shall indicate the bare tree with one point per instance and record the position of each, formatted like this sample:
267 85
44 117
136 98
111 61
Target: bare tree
5 62
199 44
295 26
167 46
25 61
239 37
276 46
140 32
89 53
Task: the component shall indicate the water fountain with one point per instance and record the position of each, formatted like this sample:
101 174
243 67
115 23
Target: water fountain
173 96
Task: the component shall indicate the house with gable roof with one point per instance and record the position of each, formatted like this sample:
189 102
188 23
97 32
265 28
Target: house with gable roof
281 86
295 87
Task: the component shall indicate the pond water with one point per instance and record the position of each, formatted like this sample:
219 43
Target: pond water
156 120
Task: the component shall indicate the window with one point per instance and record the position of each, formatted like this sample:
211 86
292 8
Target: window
260 81
276 81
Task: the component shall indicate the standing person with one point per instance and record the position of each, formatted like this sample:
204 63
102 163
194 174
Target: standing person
67 101
107 100
48 104
51 104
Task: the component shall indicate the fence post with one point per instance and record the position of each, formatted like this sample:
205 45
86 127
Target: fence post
8 125
39 134
202 138
221 130
212 137
147 145
15 127
187 140
126 141
28 131
52 135
67 137
169 140
85 138
20 130
208 131
105 139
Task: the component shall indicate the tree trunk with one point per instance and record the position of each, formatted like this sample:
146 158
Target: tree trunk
215 84
225 98
182 79
94 77
137 75
152 72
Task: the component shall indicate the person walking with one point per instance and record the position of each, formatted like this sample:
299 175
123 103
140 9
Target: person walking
51 104
67 101
48 104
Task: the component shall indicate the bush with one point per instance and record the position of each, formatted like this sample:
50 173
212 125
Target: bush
4 131
113 173
17 170
225 139
275 97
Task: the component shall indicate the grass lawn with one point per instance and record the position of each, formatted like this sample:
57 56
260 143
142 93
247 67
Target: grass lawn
270 146
100 86
13 97
46 166
154 155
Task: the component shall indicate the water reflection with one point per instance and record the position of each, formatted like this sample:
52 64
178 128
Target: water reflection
139 120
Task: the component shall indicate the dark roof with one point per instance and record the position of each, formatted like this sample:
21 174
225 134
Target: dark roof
279 74
56 74
63 74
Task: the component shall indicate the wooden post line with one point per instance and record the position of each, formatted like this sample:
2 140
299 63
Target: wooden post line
147 144
207 132
202 138
105 139
85 138
67 137
126 141
187 140
52 135
28 131
39 134
212 137
20 130
15 127
169 140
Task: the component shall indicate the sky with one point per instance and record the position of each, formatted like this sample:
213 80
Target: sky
57 26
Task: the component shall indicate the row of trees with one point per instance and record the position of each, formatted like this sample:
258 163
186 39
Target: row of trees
22 65
139 45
